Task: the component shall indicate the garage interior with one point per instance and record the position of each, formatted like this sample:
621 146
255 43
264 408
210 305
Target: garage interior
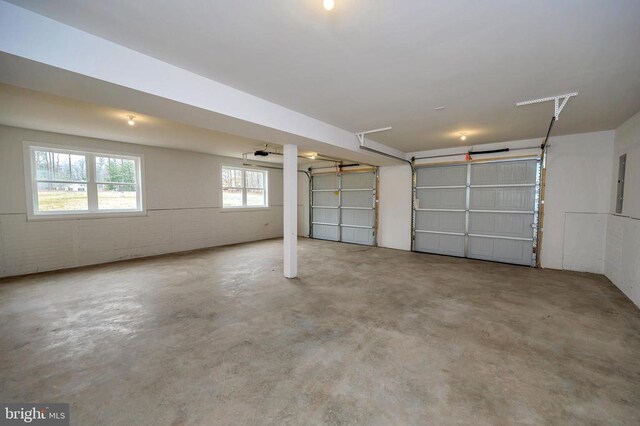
321 212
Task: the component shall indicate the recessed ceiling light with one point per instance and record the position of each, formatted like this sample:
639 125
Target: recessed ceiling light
313 155
328 4
463 136
131 118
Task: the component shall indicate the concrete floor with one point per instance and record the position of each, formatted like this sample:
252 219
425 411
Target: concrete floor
364 336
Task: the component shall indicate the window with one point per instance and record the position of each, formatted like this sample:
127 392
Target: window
244 187
70 182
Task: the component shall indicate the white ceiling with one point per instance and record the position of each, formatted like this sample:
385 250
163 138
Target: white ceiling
36 110
40 111
369 64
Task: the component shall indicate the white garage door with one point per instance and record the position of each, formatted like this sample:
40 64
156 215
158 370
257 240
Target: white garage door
479 210
343 207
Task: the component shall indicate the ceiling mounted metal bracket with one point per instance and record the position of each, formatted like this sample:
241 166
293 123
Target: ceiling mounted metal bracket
360 135
559 102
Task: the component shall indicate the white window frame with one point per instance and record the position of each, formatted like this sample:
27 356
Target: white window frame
31 183
244 205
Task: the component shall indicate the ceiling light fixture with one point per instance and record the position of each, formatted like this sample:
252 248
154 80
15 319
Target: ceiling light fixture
313 155
131 118
463 136
440 108
328 4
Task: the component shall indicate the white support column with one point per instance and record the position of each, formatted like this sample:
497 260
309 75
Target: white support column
290 190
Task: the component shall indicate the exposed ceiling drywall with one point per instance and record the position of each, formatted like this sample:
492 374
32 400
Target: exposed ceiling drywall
369 64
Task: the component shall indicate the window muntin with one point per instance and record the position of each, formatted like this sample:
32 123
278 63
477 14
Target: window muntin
65 181
244 187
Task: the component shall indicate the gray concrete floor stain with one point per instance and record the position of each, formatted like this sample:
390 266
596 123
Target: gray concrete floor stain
363 336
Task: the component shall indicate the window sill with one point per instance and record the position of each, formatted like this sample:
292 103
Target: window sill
243 209
76 216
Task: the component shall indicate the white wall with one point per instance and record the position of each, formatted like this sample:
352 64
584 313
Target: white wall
622 264
183 200
627 141
394 207
577 198
577 201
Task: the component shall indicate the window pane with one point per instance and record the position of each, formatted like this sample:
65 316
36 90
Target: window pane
255 197
113 169
60 166
255 179
117 197
231 178
62 197
232 197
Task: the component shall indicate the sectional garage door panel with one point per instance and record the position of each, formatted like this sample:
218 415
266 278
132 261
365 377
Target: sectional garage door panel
509 173
358 217
502 206
359 181
500 250
441 176
452 245
441 198
357 208
501 224
321 215
440 210
325 214
362 236
347 202
440 221
325 182
357 198
503 198
325 199
326 232
478 210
